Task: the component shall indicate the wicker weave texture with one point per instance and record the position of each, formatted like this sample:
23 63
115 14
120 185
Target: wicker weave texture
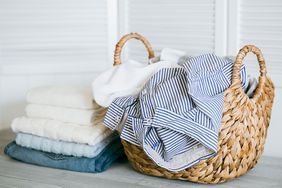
241 138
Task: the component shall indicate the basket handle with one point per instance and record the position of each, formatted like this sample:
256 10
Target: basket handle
239 59
127 37
236 78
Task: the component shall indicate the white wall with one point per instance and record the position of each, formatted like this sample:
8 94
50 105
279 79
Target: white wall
71 44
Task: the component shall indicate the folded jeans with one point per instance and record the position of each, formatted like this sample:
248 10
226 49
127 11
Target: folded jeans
99 163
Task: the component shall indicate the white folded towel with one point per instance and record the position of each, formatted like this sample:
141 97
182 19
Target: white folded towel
61 147
73 97
58 130
125 79
68 115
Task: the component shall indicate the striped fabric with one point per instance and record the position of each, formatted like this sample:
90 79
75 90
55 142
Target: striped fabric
176 117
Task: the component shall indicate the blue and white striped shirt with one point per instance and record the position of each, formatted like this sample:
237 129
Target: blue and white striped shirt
177 115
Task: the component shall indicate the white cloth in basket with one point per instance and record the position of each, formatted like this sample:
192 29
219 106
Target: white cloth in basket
130 77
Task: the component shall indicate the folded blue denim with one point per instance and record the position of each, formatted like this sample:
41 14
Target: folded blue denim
99 163
62 147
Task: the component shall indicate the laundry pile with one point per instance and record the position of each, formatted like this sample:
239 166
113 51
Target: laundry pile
172 107
63 128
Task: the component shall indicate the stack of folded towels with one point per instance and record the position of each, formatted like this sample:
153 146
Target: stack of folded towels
63 128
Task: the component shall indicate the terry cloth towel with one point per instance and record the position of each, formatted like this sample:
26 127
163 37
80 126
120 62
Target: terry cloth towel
176 117
62 147
73 97
58 130
68 115
99 163
125 79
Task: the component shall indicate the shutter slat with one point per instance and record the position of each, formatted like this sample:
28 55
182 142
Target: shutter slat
35 31
180 24
261 25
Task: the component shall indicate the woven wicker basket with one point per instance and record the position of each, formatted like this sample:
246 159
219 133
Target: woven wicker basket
243 128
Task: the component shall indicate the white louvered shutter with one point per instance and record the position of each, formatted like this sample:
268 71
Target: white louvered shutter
180 24
260 23
53 32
